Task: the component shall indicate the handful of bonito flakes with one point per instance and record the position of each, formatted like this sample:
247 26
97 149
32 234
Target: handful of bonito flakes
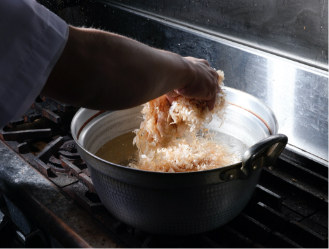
173 138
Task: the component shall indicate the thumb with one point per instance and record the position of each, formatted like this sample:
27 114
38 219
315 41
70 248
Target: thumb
171 96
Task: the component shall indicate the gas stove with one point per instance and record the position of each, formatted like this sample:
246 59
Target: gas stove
48 198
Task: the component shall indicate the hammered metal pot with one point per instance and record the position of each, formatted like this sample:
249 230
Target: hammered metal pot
180 203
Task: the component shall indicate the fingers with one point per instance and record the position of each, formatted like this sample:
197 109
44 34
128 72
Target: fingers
170 99
198 60
171 96
211 103
202 83
173 93
206 62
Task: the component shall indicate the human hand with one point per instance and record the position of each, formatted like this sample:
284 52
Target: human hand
202 84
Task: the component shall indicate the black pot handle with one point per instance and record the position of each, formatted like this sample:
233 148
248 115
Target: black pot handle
262 153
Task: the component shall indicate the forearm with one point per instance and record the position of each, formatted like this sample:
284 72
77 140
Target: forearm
100 70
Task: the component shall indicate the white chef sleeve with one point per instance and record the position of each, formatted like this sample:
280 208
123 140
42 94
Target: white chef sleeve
31 41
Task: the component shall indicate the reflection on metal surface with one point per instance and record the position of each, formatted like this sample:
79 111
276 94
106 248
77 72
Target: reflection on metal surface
300 101
281 77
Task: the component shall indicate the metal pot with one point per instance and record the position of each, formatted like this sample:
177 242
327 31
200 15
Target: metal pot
180 203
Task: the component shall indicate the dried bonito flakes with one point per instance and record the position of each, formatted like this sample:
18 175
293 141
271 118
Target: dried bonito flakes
167 140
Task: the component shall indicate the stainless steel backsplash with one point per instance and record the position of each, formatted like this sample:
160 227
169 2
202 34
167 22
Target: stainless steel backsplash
295 29
255 44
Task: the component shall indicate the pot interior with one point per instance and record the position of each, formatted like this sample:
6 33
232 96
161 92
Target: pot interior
247 120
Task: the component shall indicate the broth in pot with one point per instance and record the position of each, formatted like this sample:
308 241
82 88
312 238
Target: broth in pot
121 150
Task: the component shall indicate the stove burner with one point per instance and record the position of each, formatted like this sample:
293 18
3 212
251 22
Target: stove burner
69 146
56 165
69 150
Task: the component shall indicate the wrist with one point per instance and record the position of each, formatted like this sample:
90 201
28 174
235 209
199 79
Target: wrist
188 73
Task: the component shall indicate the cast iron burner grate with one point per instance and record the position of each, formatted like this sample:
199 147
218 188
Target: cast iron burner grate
288 209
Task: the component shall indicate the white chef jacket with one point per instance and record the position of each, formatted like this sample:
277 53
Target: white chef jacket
31 40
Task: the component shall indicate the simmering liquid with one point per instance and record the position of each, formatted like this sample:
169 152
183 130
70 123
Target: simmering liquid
121 150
